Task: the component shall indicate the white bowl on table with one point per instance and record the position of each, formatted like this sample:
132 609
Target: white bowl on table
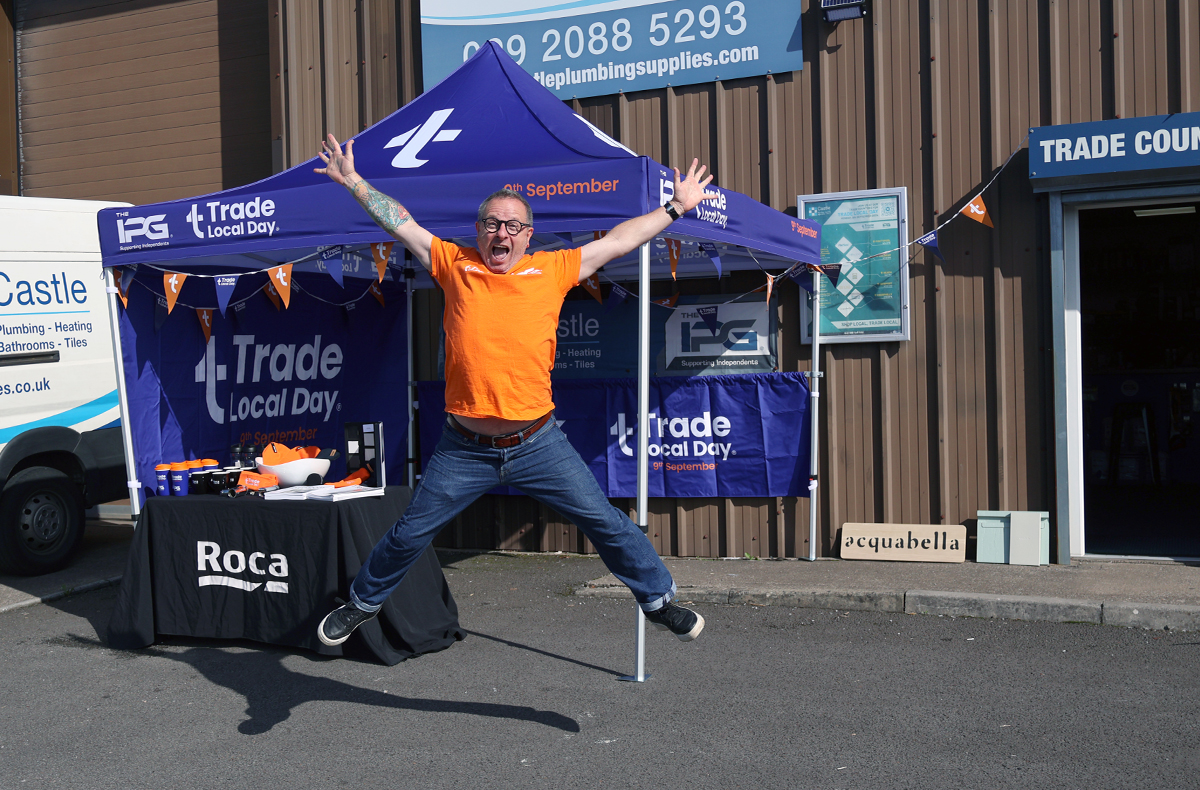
295 473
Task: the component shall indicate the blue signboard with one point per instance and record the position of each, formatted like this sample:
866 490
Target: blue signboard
600 341
599 47
1078 151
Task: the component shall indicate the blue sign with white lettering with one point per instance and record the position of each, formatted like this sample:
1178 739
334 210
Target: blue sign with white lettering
590 48
1125 145
721 436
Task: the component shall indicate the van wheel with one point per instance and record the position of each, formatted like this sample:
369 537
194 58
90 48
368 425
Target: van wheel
41 521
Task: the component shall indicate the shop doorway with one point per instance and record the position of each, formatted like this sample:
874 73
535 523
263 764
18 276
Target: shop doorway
1139 278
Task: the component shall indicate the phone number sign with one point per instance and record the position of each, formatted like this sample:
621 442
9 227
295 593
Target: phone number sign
600 47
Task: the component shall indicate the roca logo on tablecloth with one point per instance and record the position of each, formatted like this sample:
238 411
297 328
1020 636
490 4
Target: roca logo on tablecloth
210 557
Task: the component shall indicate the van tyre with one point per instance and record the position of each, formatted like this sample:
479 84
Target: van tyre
41 521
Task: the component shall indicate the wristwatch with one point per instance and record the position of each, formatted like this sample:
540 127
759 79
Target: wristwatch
672 212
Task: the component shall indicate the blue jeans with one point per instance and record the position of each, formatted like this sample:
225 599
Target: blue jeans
546 467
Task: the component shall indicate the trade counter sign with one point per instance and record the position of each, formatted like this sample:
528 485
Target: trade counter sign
601 47
865 233
1111 150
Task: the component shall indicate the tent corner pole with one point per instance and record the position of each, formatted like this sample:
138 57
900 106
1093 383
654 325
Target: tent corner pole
131 482
643 439
411 390
814 387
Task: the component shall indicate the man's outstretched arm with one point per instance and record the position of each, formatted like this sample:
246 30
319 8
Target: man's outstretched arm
387 212
632 233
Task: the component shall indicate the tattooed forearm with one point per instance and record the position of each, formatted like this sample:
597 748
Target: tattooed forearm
386 212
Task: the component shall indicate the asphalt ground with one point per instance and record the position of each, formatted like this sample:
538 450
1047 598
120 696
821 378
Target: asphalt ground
768 696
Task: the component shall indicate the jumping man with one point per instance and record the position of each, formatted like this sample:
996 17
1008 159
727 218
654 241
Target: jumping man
500 321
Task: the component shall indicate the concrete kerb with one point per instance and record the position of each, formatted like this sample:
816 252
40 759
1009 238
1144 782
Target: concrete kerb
63 593
935 602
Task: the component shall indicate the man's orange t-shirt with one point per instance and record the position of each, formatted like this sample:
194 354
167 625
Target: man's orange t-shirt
501 329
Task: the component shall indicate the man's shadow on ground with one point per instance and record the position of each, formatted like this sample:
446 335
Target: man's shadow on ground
273 691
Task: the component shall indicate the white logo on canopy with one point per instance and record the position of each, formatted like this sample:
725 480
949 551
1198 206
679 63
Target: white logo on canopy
417 137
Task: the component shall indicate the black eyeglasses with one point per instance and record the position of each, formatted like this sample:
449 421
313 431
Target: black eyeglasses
513 226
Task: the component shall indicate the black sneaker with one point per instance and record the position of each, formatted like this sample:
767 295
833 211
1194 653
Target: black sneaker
684 623
341 622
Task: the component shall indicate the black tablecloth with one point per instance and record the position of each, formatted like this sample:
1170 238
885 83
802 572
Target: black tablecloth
246 568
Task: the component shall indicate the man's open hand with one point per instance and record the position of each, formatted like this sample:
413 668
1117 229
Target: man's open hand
689 191
338 165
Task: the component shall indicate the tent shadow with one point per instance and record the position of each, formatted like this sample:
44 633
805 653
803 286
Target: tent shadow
273 691
541 652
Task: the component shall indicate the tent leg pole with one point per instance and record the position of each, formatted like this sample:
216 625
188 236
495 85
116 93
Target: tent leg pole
410 462
643 437
134 487
814 386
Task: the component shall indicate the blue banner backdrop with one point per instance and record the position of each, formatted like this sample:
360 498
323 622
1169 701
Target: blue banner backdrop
710 436
293 376
590 48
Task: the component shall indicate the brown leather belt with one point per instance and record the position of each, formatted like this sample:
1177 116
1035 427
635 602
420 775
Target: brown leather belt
508 439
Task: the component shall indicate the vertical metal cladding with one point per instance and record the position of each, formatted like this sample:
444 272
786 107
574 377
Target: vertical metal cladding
929 94
143 103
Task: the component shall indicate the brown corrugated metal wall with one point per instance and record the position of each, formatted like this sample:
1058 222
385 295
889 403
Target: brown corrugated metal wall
142 101
932 95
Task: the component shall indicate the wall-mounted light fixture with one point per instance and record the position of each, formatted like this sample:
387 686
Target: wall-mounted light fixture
840 10
1162 212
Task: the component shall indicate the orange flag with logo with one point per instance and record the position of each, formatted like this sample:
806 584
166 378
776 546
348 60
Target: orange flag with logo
281 279
172 285
674 247
205 316
770 286
668 302
381 252
598 234
273 295
592 286
378 294
977 211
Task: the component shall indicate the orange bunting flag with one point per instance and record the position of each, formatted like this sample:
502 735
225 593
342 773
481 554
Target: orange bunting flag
674 248
273 295
598 234
172 285
668 302
205 316
977 211
592 286
382 251
281 279
770 286
122 291
378 294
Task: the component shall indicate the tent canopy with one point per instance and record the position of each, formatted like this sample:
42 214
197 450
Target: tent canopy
487 126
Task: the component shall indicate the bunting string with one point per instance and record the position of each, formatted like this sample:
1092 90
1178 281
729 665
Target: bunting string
295 287
975 204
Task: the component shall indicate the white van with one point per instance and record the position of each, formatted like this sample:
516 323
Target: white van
60 435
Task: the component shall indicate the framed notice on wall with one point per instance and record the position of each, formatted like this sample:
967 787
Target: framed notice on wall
866 233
